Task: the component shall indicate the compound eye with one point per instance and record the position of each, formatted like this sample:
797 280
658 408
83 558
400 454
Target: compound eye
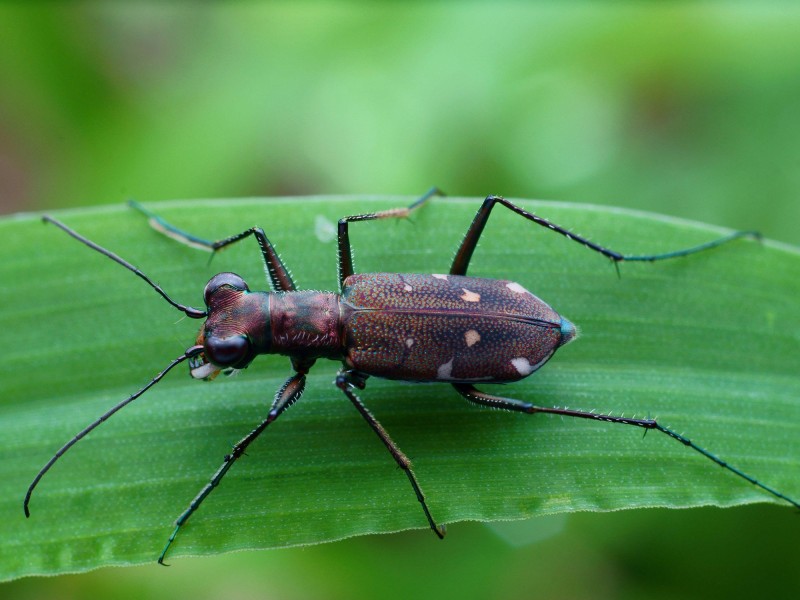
227 352
219 280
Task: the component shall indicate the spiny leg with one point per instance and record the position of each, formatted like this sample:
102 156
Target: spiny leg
473 395
279 276
470 241
284 398
346 381
345 253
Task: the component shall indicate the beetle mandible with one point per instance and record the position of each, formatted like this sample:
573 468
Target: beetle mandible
449 328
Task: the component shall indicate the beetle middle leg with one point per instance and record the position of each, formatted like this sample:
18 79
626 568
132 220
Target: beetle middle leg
346 254
279 277
287 395
346 381
470 241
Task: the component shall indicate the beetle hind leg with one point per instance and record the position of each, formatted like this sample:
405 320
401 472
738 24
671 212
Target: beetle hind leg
470 241
478 397
473 395
346 381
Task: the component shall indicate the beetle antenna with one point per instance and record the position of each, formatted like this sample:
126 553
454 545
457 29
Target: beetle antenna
194 313
190 353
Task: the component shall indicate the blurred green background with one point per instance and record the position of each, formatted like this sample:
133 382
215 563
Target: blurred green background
686 109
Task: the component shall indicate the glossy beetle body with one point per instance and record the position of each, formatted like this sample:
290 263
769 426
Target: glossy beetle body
411 327
447 328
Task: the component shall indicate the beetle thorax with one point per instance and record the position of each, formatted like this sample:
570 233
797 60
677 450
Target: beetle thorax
305 324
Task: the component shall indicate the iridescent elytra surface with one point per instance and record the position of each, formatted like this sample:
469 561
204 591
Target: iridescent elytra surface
445 328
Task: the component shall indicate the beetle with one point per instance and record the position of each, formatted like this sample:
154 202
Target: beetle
446 328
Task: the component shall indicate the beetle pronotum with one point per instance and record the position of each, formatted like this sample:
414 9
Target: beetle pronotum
449 328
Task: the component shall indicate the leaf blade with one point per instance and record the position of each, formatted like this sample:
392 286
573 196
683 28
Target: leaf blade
707 343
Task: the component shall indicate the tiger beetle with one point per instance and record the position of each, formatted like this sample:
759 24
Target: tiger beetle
449 328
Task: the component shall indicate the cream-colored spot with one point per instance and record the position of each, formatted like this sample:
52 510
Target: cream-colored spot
522 365
439 276
205 371
407 287
409 342
472 337
515 287
446 370
468 296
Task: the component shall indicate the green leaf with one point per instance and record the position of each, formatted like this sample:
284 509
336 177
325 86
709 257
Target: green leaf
708 344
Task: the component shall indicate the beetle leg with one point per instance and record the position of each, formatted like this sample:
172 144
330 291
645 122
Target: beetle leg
345 253
345 381
279 277
287 395
473 395
470 241
478 397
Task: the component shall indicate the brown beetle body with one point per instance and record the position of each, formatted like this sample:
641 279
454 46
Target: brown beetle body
421 328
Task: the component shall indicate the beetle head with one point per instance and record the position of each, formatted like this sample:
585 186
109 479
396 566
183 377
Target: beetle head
236 329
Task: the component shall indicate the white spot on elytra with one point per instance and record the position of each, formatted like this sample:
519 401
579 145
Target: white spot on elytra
515 287
407 287
522 365
446 370
439 276
472 337
468 296
409 342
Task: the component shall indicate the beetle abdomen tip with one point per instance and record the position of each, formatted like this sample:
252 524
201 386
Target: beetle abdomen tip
568 331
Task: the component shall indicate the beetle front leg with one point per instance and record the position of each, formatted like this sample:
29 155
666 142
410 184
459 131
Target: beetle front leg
346 254
287 395
470 241
279 277
346 381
